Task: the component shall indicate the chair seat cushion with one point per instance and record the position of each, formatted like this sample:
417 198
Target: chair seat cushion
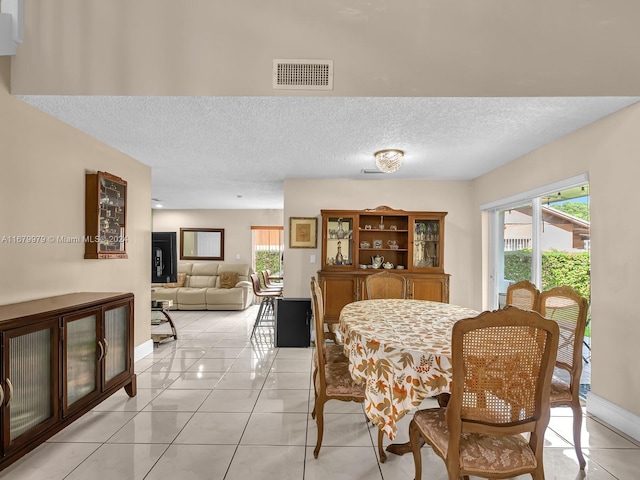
560 391
332 354
482 454
339 381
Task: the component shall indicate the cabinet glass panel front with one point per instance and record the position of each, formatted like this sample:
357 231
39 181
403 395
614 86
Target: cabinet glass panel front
30 376
112 215
339 241
426 243
81 357
115 323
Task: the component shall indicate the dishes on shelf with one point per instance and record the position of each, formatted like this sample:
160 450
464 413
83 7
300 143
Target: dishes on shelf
377 261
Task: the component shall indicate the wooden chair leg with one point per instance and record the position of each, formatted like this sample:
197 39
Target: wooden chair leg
319 409
577 427
383 456
414 439
315 394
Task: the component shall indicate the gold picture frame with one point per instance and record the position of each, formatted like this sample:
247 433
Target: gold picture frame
303 232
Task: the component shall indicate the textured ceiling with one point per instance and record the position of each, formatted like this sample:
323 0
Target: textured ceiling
235 152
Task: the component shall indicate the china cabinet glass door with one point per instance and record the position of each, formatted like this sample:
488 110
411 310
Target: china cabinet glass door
426 243
339 238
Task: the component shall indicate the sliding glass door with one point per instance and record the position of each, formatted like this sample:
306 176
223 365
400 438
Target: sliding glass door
514 247
544 239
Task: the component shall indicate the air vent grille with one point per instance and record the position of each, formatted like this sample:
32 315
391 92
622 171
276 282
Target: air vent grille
303 74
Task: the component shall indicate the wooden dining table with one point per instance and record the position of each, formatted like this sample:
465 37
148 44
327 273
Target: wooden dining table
401 351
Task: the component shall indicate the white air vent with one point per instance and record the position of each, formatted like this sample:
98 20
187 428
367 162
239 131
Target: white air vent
303 74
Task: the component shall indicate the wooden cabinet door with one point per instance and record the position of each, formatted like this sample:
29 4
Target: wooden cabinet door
337 291
80 359
29 382
117 333
426 252
433 288
338 235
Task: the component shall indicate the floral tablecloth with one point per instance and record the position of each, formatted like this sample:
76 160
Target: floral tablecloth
402 350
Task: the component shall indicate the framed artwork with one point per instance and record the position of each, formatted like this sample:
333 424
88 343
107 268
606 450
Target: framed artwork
303 232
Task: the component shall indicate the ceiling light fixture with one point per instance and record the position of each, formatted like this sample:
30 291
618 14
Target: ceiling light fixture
389 161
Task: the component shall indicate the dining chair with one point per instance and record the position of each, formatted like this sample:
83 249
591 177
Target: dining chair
332 352
502 364
569 309
267 302
523 294
385 285
331 381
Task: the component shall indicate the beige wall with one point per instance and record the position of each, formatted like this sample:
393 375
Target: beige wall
305 198
408 48
42 193
236 223
608 152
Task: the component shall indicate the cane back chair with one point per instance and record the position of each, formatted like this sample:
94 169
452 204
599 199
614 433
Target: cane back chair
565 306
385 285
524 295
502 365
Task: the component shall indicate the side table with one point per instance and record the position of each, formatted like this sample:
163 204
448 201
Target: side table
162 307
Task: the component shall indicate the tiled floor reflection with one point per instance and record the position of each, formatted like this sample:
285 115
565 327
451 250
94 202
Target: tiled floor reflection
218 405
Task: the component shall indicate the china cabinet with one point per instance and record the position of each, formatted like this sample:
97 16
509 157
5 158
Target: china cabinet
105 216
61 356
357 243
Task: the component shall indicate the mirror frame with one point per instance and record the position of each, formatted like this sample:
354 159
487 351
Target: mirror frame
219 231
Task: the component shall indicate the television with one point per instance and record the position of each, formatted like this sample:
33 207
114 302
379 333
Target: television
164 257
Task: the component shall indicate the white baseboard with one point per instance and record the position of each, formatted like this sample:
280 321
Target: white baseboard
143 350
627 422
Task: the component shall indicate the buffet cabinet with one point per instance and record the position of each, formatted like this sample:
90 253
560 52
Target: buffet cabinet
358 243
60 357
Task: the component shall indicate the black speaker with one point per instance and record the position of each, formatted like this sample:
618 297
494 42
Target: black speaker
293 322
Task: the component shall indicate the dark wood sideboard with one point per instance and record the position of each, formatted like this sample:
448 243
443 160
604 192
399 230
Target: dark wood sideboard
60 357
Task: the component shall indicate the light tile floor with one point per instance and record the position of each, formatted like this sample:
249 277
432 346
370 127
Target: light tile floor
215 405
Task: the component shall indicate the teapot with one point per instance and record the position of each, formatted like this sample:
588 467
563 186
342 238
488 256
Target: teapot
376 261
388 265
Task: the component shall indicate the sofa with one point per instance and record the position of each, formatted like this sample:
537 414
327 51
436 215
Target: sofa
208 286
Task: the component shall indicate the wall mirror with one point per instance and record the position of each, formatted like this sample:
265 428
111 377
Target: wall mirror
202 244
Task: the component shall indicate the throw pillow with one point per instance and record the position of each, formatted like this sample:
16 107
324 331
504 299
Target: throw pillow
228 279
182 277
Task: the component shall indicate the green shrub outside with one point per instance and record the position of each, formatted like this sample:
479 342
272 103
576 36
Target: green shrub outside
268 260
558 268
